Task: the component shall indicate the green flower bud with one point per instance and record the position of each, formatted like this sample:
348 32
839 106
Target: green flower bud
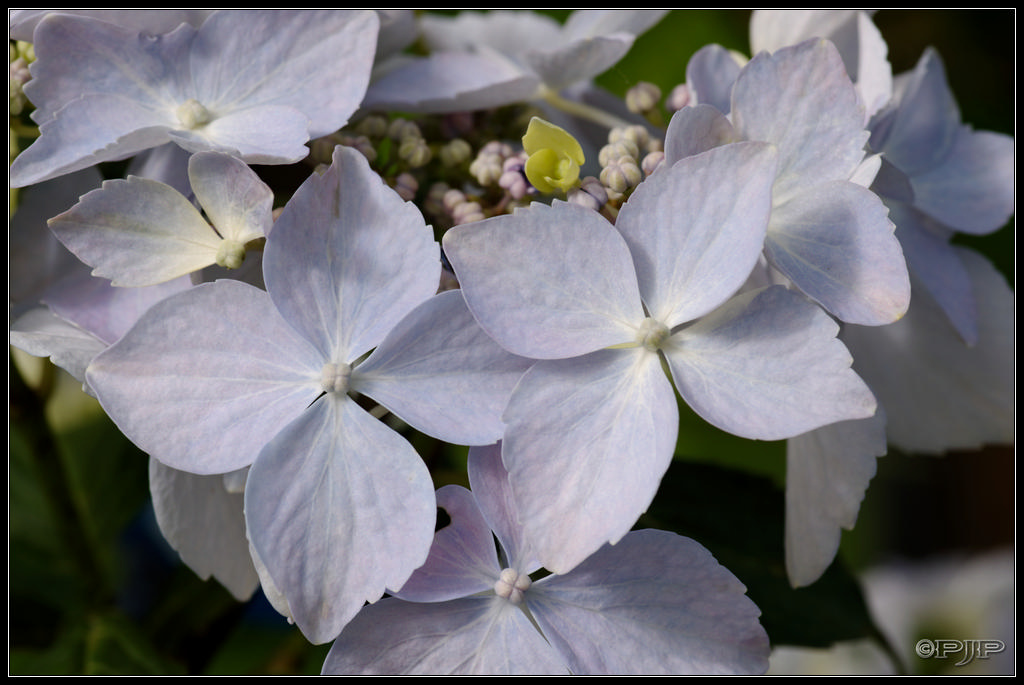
554 159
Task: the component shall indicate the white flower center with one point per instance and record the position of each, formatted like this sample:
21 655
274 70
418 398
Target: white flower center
230 254
511 585
335 377
192 114
652 334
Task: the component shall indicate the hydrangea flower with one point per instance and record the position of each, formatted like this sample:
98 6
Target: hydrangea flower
139 232
655 603
940 177
247 82
935 394
825 226
338 506
479 60
592 426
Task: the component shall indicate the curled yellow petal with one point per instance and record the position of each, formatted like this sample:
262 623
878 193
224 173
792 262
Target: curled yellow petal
554 159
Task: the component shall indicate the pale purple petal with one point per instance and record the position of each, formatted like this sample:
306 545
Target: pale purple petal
316 60
104 310
710 75
767 366
463 560
476 635
339 508
490 485
918 136
936 266
655 603
85 133
827 474
507 31
23 22
348 258
589 23
973 190
697 228
215 363
439 372
235 200
547 281
774 29
137 232
696 129
587 444
205 524
269 134
938 393
569 62
451 82
801 100
42 333
836 243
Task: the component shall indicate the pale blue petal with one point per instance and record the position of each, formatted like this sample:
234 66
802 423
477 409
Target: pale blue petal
710 75
656 603
506 31
836 243
936 266
696 129
137 232
316 60
587 443
767 366
462 561
439 372
271 134
451 82
547 281
490 485
205 524
348 258
578 60
23 22
235 200
697 228
801 100
104 310
215 363
339 508
921 131
774 29
590 23
88 132
42 333
471 636
827 474
973 190
938 393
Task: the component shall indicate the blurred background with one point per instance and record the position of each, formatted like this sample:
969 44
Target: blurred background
94 589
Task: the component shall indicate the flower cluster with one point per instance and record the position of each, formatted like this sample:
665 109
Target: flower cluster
518 263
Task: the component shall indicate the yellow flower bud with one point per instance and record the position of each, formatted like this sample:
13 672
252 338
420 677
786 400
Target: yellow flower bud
555 157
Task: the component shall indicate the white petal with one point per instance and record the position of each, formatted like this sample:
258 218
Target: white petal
207 377
348 258
827 474
339 508
588 441
697 228
654 603
205 524
234 198
475 635
440 373
137 232
547 282
766 366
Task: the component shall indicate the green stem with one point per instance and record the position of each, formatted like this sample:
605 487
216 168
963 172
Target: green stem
581 109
